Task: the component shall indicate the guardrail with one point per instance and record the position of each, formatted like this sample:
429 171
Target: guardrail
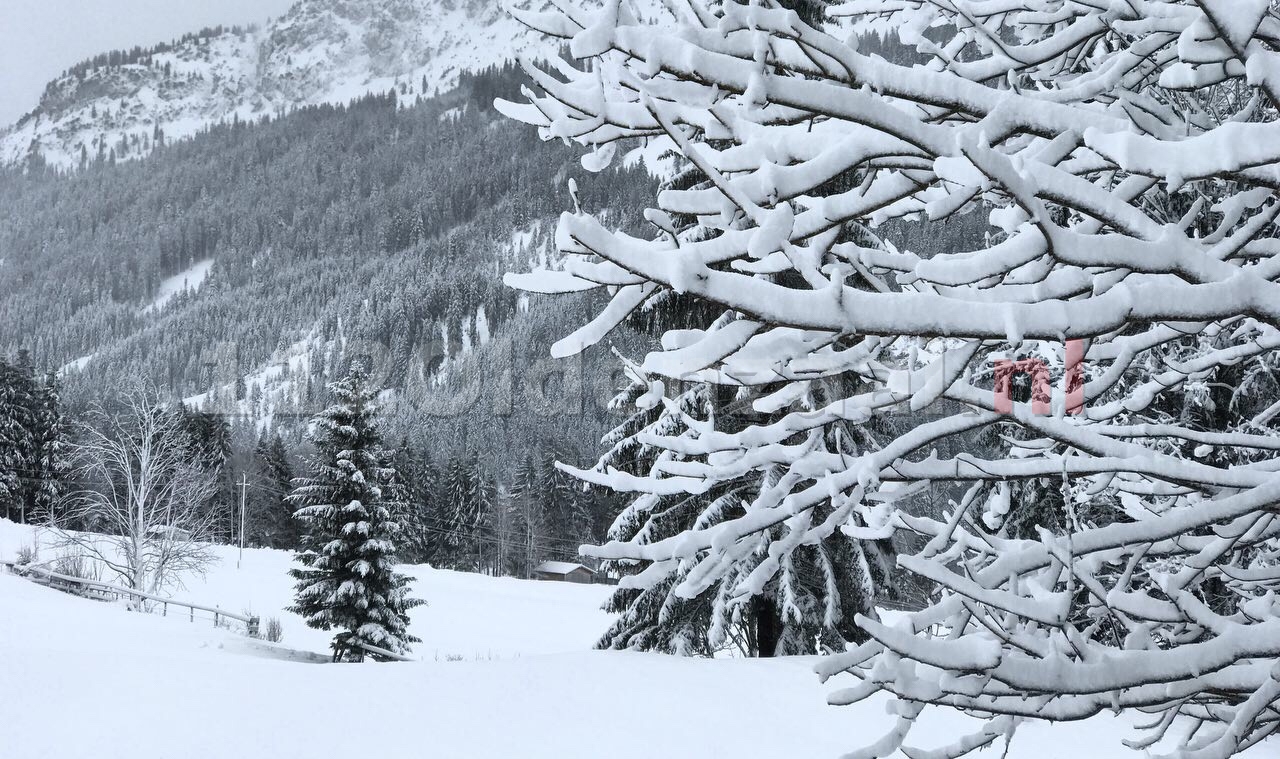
120 591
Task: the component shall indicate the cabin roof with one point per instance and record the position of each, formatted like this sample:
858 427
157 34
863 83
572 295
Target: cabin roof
559 567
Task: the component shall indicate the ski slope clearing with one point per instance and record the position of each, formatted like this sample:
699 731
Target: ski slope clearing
80 678
189 279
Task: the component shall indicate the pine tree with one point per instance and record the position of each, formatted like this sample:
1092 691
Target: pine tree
504 527
12 461
207 437
19 476
348 579
419 516
482 530
272 522
460 499
568 518
811 603
528 503
50 447
469 493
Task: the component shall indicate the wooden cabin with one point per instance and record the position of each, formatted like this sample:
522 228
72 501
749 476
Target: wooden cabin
563 571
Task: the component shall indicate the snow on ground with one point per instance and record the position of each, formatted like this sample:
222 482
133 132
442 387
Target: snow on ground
78 365
274 382
80 678
467 615
188 279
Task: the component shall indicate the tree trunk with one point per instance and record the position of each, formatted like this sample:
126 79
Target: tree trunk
768 627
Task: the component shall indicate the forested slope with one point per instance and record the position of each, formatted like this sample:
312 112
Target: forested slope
335 234
368 221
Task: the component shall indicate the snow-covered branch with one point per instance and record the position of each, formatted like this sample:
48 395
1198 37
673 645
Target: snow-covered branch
879 236
144 493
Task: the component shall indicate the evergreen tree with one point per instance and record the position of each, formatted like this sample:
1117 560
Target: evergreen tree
418 515
468 493
208 439
50 446
272 522
428 486
812 600
568 515
483 527
506 545
348 579
12 462
19 478
529 519
459 496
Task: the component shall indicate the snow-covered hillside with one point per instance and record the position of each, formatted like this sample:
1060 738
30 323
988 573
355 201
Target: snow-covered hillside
507 671
467 615
320 51
188 280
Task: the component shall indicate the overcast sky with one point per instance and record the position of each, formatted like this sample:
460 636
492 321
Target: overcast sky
40 38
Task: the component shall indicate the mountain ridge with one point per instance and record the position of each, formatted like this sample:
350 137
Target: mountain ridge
318 52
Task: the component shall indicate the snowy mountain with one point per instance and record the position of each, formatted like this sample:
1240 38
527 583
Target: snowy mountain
220 267
320 51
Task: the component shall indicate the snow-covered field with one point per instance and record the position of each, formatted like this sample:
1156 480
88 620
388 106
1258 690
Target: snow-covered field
85 679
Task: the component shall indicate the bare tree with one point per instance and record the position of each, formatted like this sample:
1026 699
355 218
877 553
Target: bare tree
1125 161
142 494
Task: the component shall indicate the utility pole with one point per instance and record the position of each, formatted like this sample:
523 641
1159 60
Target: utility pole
244 490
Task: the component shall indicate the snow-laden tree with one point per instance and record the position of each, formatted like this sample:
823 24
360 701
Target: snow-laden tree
1125 156
19 473
51 448
140 496
468 493
810 602
530 518
270 520
348 579
419 518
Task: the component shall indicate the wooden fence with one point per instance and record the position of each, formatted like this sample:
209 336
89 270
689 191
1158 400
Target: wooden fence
86 586
384 652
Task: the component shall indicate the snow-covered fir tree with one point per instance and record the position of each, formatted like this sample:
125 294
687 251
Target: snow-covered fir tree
809 605
50 448
466 494
32 441
348 580
272 523
527 501
1123 159
420 518
15 441
567 506
813 600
